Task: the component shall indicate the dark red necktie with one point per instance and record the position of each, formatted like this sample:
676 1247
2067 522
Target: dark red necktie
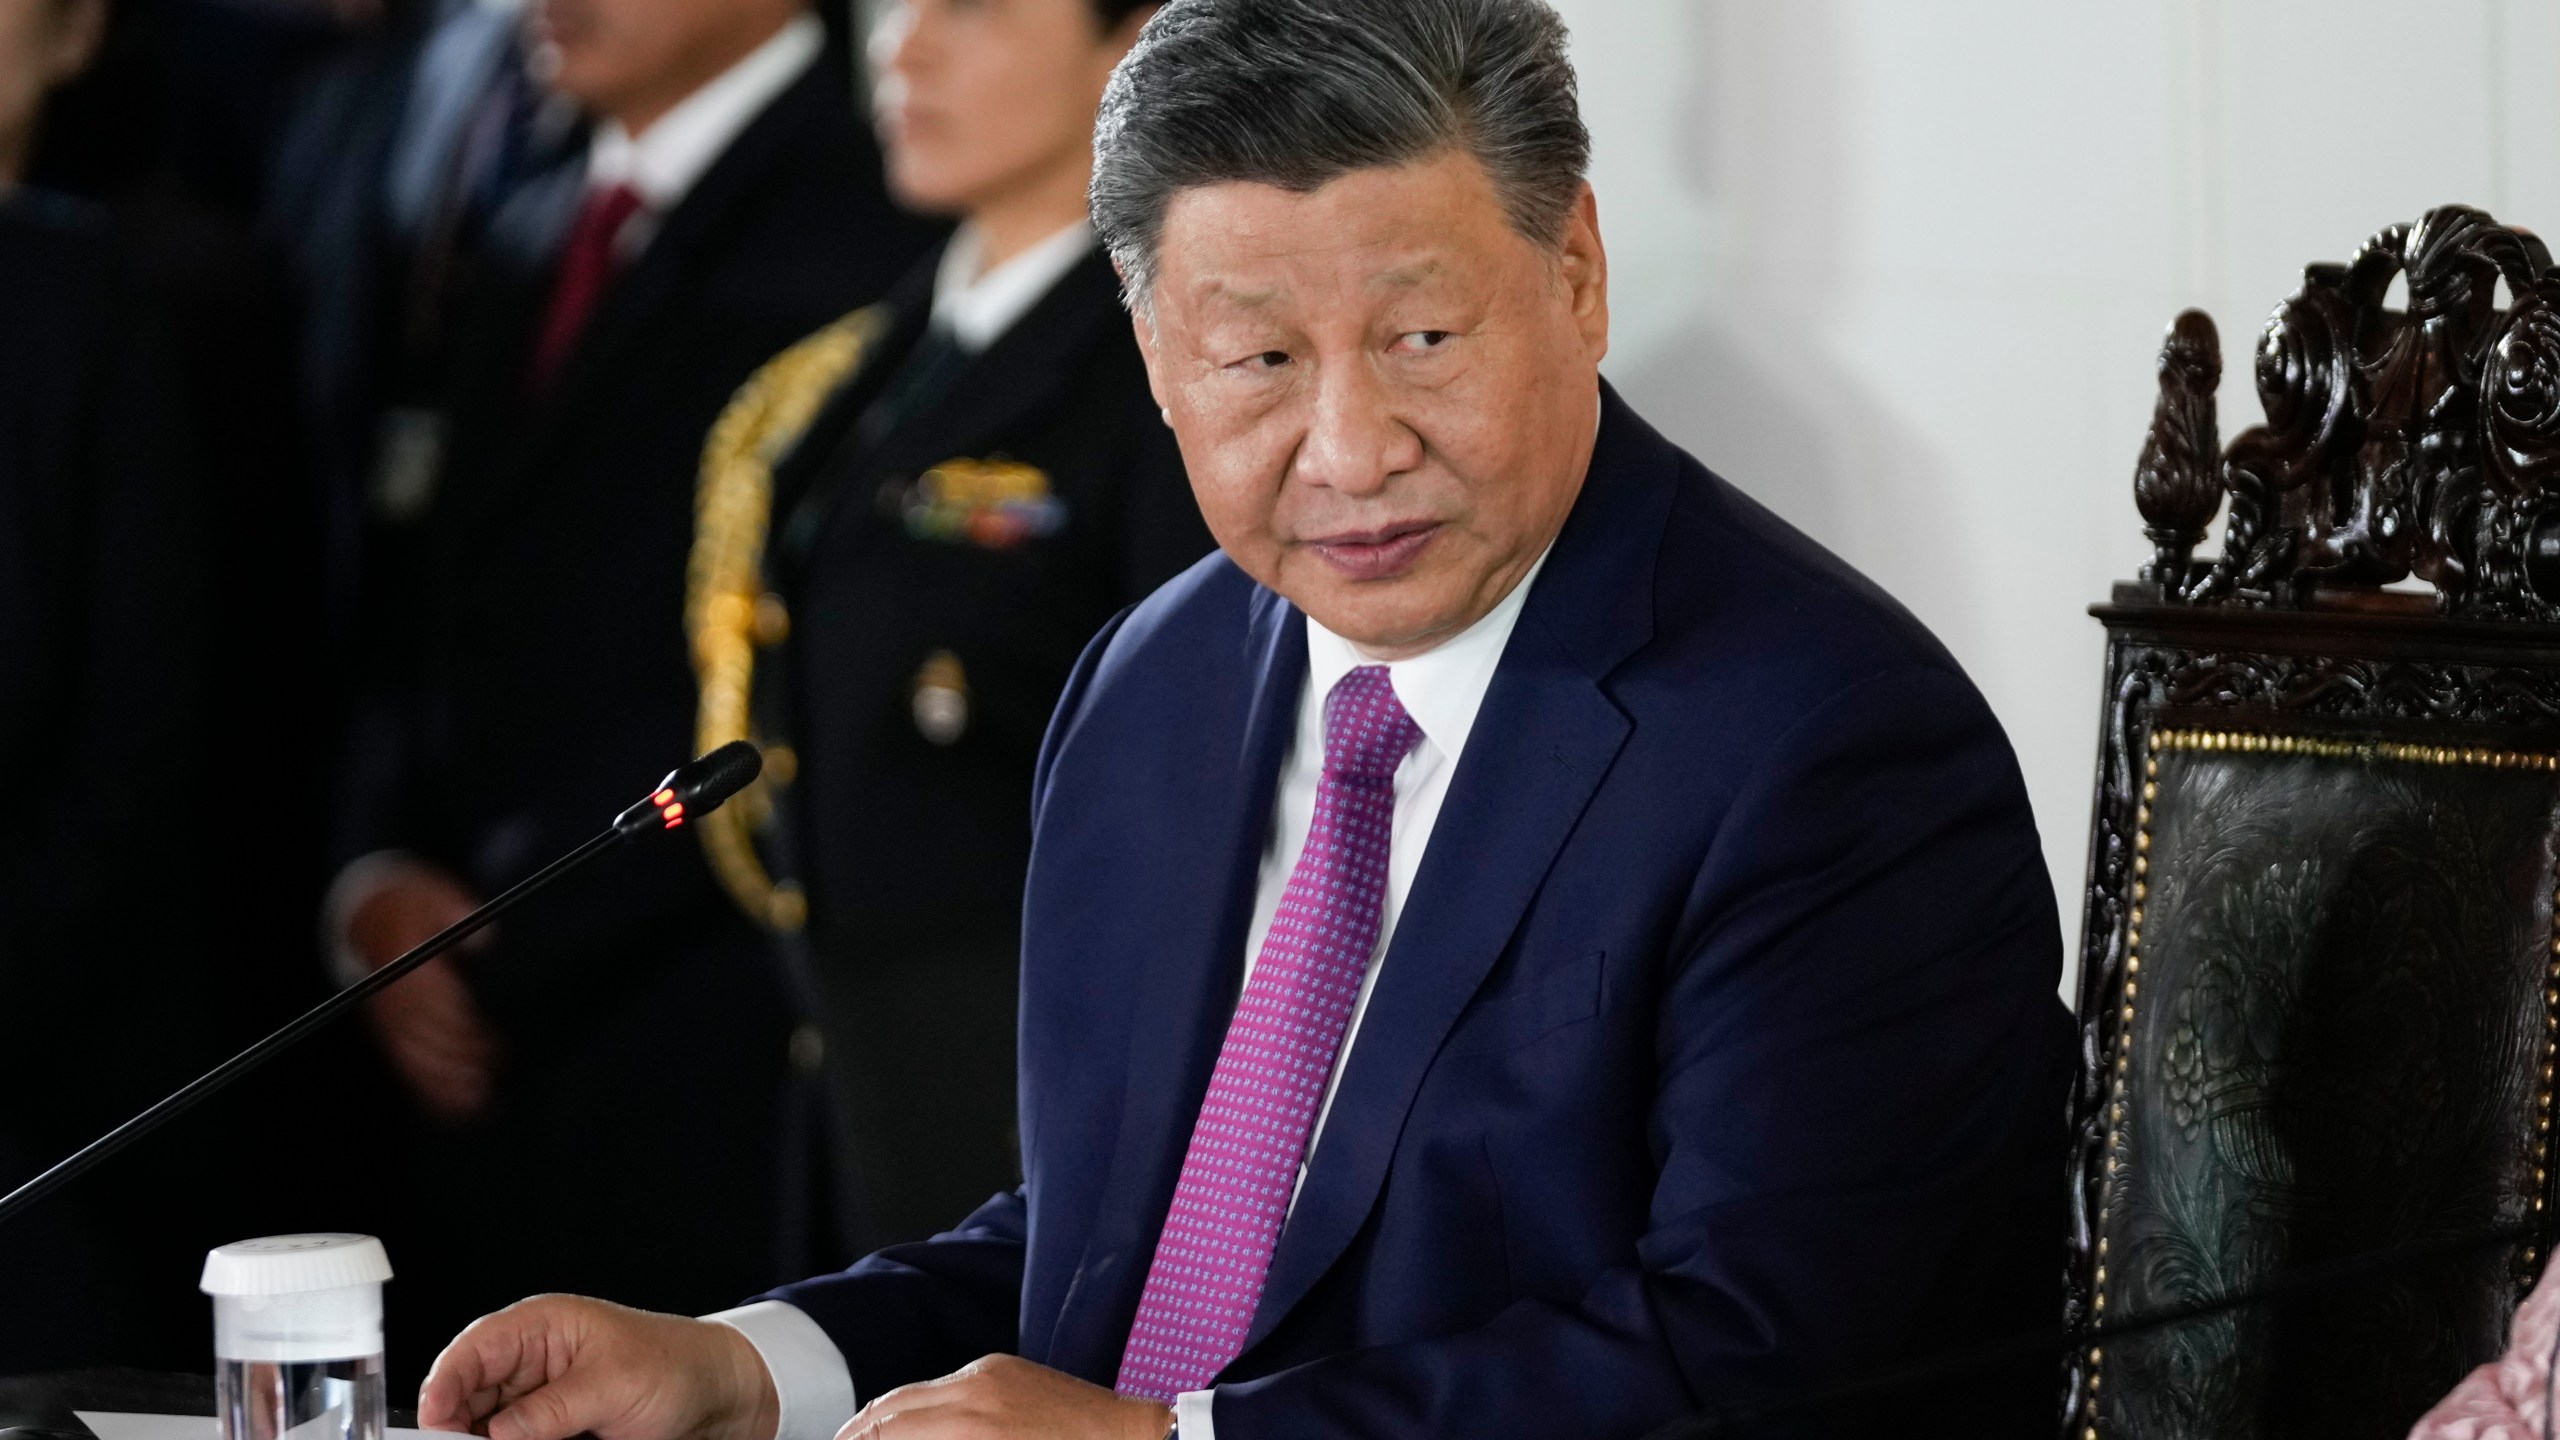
587 265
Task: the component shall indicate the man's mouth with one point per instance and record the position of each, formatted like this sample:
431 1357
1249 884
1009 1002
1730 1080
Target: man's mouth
1380 554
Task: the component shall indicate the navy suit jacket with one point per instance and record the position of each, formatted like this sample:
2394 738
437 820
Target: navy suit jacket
1716 1054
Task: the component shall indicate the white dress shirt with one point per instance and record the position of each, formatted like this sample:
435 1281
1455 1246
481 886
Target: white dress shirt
662 162
1442 689
975 305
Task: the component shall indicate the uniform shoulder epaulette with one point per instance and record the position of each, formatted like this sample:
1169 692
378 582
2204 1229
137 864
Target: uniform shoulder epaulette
725 598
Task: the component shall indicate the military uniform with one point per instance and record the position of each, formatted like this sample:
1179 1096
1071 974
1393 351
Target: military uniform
903 547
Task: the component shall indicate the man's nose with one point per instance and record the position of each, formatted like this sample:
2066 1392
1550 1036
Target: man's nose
1355 442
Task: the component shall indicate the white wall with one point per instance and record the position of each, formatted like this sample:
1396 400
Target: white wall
1900 270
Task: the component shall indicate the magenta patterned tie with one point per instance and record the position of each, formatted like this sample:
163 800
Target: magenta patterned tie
1252 1132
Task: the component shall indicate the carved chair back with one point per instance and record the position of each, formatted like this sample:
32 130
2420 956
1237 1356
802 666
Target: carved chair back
2320 981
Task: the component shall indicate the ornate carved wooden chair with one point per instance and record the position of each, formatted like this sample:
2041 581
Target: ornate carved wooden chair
2320 975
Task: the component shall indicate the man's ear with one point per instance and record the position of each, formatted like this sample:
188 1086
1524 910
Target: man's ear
1584 265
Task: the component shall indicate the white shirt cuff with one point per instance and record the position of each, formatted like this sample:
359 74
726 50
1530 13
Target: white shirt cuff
809 1374
1191 1415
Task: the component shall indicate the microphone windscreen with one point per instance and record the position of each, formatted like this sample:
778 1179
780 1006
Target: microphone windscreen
705 783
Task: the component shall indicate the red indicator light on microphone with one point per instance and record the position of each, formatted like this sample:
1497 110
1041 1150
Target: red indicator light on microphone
662 797
673 810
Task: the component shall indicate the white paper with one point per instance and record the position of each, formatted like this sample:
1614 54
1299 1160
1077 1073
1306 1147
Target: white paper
118 1425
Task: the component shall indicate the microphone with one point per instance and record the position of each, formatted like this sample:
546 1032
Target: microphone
694 789
689 792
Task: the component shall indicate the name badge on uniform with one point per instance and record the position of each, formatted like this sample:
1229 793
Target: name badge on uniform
992 504
408 458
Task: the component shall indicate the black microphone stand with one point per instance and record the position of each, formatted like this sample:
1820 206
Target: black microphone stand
687 793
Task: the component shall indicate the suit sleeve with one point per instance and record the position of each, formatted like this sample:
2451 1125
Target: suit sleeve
918 1312
1857 1098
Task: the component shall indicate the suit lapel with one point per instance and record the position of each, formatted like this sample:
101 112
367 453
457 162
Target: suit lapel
1544 740
1025 366
808 482
712 207
1021 371
1186 996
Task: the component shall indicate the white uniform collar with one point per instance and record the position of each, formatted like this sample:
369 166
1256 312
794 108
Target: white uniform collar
1443 687
976 310
663 162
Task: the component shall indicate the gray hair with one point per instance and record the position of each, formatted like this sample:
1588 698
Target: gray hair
1297 93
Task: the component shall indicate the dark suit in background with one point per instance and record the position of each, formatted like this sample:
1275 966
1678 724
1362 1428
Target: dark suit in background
409 160
644 1027
128 961
158 648
102 661
170 134
1715 1053
945 538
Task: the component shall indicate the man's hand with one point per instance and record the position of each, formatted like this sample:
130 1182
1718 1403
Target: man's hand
1004 1398
428 1024
558 1365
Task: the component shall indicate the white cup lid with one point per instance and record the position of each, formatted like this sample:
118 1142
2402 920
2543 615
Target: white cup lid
294 1265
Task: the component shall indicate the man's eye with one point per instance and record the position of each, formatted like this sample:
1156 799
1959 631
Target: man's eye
1426 339
1267 360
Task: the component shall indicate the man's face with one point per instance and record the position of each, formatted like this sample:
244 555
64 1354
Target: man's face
633 60
1385 395
976 97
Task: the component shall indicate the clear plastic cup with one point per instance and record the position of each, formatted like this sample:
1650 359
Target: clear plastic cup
297 1337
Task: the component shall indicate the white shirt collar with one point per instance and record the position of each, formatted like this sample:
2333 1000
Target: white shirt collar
1443 687
663 161
977 309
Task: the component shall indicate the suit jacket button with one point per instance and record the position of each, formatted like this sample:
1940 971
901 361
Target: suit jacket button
773 619
808 1049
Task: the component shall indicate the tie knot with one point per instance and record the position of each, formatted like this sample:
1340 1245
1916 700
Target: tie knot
605 210
1366 729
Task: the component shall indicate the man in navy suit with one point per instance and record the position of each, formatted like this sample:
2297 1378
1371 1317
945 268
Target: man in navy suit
1522 942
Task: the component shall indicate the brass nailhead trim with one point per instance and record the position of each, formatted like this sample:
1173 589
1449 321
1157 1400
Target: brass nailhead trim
2243 742
2247 743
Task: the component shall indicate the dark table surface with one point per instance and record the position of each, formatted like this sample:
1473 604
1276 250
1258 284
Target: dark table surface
39 1407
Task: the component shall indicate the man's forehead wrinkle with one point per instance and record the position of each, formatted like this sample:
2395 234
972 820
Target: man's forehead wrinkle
1260 293
1243 294
1413 275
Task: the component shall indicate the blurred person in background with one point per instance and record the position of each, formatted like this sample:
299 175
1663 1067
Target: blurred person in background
173 133
982 482
149 860
415 163
630 1026
95 552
